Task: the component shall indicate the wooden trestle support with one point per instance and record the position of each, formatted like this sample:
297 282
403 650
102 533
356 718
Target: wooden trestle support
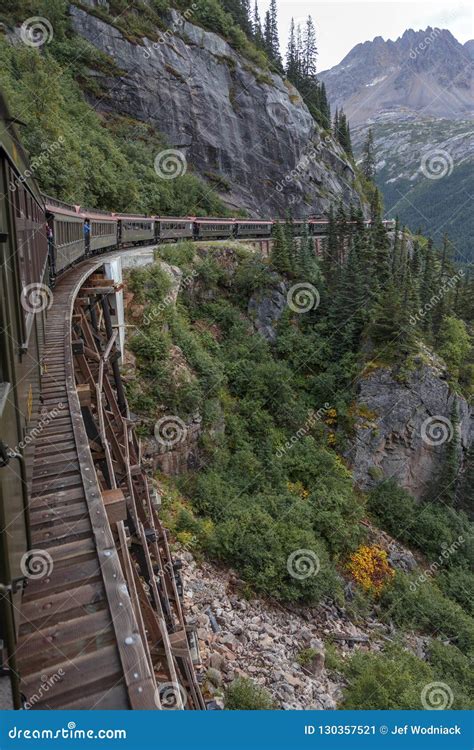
151 575
102 627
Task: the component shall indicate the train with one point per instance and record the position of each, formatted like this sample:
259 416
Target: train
76 232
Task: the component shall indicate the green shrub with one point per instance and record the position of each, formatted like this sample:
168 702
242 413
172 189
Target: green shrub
423 607
393 680
243 694
458 584
429 527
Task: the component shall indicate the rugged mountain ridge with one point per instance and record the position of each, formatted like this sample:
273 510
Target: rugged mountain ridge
416 94
428 72
245 130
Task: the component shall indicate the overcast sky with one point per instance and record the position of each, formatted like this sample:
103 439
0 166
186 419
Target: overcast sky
341 24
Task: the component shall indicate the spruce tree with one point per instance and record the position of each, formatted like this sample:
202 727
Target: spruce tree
347 311
292 63
310 50
465 499
257 28
385 326
330 251
280 255
445 488
427 286
368 157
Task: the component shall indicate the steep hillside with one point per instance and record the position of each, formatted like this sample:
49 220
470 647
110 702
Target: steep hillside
260 445
424 168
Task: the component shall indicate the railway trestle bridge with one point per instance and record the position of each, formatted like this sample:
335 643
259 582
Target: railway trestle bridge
101 621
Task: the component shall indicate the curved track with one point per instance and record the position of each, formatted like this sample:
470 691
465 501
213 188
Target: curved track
79 644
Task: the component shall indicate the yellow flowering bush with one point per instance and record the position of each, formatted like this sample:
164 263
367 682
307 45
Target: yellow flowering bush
370 568
297 488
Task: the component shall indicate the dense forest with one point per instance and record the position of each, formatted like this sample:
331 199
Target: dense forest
259 494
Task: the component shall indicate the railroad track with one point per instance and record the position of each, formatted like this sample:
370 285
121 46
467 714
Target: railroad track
98 630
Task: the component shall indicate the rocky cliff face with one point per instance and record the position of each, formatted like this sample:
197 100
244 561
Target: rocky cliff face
402 428
245 130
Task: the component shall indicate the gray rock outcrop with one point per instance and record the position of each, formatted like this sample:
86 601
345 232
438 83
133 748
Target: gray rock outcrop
265 308
402 427
245 129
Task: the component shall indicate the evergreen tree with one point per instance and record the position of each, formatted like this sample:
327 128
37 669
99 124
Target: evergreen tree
465 499
257 28
330 251
385 326
347 311
444 490
368 157
427 286
271 38
280 255
292 61
325 108
304 254
310 50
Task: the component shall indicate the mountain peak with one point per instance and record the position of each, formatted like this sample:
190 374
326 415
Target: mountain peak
425 70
